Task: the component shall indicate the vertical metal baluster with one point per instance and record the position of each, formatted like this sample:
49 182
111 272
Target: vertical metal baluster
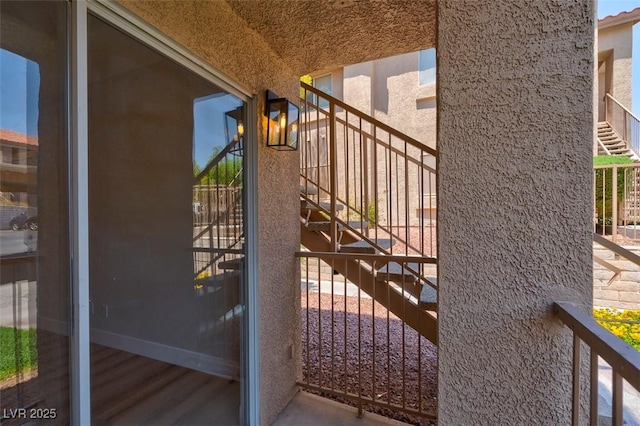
390 190
359 345
347 163
419 337
333 176
614 202
404 340
422 191
374 144
346 336
319 323
593 391
365 179
575 411
604 205
388 342
432 220
617 417
333 268
308 353
406 200
373 330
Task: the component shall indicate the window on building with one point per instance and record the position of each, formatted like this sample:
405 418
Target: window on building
323 83
427 67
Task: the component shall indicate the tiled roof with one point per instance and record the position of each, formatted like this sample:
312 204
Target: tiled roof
632 16
17 137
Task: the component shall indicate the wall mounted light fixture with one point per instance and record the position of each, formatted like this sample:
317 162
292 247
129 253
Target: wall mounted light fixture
282 123
234 129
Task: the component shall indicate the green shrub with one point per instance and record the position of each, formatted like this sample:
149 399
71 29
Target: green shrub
371 214
627 331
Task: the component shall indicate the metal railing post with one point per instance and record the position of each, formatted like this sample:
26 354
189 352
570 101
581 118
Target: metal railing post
333 166
626 124
365 183
614 202
575 413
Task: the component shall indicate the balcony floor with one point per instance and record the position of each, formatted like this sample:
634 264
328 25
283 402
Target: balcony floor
312 410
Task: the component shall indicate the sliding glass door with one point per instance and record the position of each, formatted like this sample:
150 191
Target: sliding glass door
123 273
166 238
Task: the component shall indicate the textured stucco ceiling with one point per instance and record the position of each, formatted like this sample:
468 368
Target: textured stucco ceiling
313 35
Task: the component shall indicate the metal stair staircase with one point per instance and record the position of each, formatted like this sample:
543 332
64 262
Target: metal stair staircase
374 252
610 143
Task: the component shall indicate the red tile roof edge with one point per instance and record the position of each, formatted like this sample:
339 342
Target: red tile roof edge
630 16
17 137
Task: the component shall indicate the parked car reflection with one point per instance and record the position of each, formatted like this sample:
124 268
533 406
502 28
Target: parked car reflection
22 221
17 222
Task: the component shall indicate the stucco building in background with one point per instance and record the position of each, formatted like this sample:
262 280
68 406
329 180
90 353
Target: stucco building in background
401 90
114 275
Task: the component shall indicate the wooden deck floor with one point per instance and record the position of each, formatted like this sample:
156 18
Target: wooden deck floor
128 389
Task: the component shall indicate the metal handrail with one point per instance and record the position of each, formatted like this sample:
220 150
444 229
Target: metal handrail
222 201
611 166
366 135
623 359
221 155
604 148
617 249
364 116
365 256
608 95
623 122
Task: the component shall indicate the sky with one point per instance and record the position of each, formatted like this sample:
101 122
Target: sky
19 87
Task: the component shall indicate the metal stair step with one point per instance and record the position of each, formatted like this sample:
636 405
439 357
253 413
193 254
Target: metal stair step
608 136
617 145
394 271
319 226
309 190
232 265
325 226
365 247
620 151
323 206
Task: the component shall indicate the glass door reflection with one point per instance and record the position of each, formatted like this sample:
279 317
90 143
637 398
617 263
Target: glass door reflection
166 239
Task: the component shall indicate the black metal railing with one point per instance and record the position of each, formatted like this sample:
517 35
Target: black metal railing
623 359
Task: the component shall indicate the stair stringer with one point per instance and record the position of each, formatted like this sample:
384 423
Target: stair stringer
424 322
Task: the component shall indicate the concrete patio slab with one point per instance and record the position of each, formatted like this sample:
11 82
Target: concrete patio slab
306 409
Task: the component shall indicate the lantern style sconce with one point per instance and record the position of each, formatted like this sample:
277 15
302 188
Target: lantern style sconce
234 129
282 123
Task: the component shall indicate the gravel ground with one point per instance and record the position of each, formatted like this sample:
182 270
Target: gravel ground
380 340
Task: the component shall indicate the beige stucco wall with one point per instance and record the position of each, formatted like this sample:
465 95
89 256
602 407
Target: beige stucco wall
389 90
357 86
206 29
514 224
615 48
